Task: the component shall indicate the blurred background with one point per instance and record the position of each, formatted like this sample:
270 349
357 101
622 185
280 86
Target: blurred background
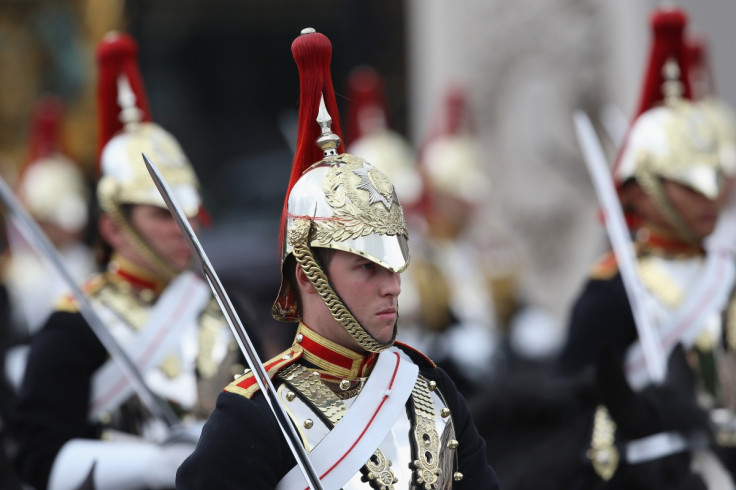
221 78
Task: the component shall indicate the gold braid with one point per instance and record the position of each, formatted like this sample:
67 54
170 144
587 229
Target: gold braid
652 186
298 238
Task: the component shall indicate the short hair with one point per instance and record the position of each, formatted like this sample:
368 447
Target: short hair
322 255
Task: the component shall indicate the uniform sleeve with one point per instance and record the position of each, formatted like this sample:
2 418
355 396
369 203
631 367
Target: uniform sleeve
241 446
52 404
600 317
472 463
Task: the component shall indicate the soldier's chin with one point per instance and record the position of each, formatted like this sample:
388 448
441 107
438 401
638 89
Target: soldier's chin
387 334
180 262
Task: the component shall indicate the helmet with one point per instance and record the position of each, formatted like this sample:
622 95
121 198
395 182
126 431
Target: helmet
373 139
125 132
52 186
335 201
672 137
450 159
716 109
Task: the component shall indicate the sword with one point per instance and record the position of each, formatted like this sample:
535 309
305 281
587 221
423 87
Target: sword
261 377
618 234
41 244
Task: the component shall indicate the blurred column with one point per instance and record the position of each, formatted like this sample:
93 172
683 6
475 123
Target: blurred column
529 65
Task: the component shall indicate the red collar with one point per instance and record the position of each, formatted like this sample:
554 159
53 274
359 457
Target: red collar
332 358
139 278
660 242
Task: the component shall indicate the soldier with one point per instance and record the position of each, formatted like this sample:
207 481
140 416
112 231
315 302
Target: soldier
345 244
703 88
670 177
79 421
54 190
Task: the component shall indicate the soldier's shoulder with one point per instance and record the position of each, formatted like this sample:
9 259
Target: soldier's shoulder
246 384
606 267
419 358
92 286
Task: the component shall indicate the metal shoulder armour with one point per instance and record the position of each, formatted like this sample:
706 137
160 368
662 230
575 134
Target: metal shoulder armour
419 451
246 385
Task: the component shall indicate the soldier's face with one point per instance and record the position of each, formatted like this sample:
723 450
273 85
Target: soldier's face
370 291
159 229
697 211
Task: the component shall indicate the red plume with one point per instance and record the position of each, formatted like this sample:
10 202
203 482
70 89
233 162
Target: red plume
365 90
702 82
668 26
45 126
312 53
453 118
117 55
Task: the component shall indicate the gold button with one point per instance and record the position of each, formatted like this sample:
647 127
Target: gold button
432 385
444 412
344 384
299 338
105 418
290 395
146 295
453 444
457 476
308 424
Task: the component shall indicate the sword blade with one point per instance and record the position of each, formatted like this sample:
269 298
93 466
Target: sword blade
233 320
618 234
43 246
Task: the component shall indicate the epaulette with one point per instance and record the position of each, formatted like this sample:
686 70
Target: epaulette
605 268
68 303
247 386
416 356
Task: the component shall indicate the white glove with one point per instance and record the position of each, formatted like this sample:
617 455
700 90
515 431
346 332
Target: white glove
161 469
118 465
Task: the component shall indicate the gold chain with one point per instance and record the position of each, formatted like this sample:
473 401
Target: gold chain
652 186
161 266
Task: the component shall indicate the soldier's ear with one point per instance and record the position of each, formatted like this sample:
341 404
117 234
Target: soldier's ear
109 231
303 282
631 195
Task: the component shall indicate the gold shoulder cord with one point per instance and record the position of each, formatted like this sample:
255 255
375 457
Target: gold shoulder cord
298 236
377 470
603 453
652 186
